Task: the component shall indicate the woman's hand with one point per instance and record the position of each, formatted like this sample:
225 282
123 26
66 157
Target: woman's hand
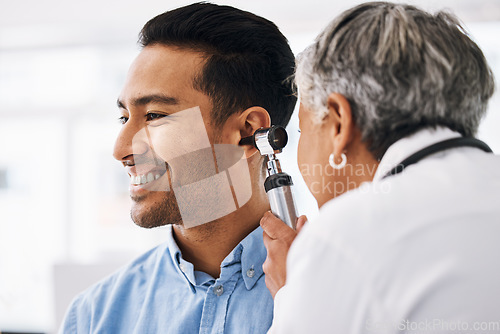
278 238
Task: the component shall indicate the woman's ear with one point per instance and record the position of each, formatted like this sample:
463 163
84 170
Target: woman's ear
340 119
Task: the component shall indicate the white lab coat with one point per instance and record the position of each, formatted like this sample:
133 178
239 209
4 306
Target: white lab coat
416 252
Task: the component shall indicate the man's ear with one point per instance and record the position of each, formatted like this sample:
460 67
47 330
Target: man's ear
253 119
249 121
340 119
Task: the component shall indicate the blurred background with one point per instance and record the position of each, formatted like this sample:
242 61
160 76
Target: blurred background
64 207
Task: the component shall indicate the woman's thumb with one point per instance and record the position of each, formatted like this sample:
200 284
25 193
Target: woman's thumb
301 221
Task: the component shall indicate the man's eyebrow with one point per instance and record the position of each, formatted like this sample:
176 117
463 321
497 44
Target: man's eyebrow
120 104
155 98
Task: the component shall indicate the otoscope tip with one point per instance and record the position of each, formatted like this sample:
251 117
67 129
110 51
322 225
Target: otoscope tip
247 141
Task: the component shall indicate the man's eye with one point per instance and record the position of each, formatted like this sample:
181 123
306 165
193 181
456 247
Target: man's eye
122 119
154 116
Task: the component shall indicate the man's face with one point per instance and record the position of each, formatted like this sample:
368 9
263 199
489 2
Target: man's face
160 109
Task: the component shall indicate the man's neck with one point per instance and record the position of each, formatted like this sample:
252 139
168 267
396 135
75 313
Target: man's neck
207 245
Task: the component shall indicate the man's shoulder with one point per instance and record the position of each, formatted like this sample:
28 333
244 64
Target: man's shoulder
139 269
107 297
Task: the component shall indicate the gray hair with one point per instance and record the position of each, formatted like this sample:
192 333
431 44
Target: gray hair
400 68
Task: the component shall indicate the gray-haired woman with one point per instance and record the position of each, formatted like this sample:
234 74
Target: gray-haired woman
407 236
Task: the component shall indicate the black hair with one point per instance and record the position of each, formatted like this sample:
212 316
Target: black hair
248 60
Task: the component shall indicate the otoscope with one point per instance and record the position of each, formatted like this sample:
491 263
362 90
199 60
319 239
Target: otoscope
278 185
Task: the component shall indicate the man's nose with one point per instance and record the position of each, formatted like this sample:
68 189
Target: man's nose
132 140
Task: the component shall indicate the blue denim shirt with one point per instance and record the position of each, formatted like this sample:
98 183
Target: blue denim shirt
160 292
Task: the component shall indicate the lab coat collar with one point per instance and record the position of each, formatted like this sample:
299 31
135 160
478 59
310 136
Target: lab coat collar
407 146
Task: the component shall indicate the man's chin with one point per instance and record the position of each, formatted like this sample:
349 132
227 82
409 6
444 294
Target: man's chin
147 212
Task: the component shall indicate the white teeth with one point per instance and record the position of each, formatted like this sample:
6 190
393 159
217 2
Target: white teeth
143 179
150 177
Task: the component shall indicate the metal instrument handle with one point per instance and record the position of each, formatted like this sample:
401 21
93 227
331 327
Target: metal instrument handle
283 205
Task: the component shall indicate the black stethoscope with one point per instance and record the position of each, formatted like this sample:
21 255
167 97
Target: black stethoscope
438 147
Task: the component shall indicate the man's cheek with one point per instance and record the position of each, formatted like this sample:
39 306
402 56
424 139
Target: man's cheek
219 191
181 134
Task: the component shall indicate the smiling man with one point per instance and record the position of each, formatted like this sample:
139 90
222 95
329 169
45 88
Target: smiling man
207 76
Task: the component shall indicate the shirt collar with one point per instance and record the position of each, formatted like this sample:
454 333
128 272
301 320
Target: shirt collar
407 146
184 268
253 256
250 253
173 249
